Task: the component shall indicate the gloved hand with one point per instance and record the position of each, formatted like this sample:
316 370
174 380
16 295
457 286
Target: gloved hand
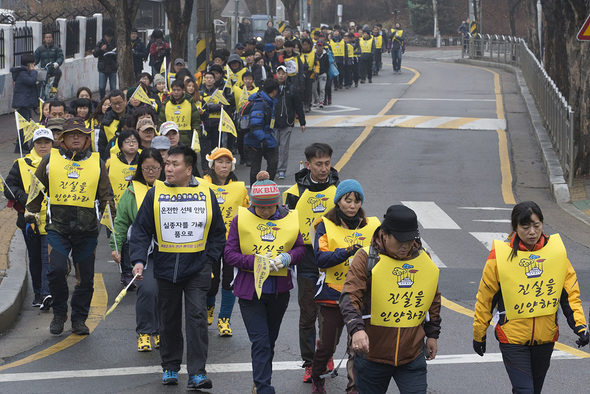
30 217
479 347
31 230
56 65
351 250
264 145
283 260
584 338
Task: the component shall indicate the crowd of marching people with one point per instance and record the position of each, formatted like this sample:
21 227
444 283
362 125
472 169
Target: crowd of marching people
180 227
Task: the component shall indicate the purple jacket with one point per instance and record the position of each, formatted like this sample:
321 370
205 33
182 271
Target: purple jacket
244 282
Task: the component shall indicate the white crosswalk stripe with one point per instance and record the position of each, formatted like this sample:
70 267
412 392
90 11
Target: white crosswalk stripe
488 238
431 216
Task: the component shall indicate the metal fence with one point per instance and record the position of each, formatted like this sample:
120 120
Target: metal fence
72 37
91 39
53 28
2 58
557 115
23 43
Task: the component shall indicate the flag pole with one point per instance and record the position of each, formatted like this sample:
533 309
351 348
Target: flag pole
219 128
20 145
8 187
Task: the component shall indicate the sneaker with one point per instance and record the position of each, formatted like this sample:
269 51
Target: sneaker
199 382
356 84
362 81
37 300
156 338
46 303
322 105
80 328
144 343
330 101
318 386
170 377
57 324
210 313
224 327
254 391
281 175
330 366
307 375
370 81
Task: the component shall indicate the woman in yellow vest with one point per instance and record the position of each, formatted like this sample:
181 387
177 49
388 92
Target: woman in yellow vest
338 235
231 194
264 229
150 168
96 120
525 280
16 191
390 303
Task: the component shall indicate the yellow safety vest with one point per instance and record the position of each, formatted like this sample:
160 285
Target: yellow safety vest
236 78
402 290
532 281
212 100
260 236
182 216
311 205
366 45
378 41
308 58
73 183
111 129
229 197
140 192
120 174
25 176
340 237
241 95
180 114
338 48
292 65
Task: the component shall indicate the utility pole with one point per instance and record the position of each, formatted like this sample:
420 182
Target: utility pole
315 13
435 11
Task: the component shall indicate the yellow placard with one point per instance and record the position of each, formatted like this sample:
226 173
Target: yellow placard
261 272
226 124
36 188
532 281
140 95
402 291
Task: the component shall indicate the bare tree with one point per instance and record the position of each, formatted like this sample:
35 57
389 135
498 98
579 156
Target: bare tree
179 16
123 14
513 9
291 8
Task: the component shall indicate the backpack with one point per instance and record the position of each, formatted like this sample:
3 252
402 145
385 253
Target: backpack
243 116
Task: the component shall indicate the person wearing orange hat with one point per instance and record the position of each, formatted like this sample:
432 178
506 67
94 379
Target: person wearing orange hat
265 226
230 194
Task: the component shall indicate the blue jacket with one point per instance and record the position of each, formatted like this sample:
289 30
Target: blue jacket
174 267
261 115
25 88
52 54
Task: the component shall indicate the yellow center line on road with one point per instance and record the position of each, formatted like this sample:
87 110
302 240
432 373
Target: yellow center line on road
98 307
468 312
414 78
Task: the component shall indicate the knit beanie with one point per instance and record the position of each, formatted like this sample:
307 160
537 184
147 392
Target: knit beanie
347 186
159 79
264 192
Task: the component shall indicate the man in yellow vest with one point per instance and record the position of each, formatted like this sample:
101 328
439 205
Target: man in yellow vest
184 217
367 47
312 196
397 48
180 109
74 178
308 61
110 122
380 43
391 304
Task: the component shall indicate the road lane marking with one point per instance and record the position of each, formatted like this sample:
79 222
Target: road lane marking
433 256
98 307
415 77
493 220
487 208
445 99
431 216
405 121
212 369
487 239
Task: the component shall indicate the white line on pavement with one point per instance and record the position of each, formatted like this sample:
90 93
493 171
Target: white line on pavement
492 220
435 259
431 216
487 238
486 208
237 367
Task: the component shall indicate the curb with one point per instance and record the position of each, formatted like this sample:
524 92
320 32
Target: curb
13 288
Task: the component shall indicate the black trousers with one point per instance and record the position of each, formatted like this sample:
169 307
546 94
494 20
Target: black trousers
272 161
526 366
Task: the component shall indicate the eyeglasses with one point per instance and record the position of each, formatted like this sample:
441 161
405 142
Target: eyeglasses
117 104
130 142
150 169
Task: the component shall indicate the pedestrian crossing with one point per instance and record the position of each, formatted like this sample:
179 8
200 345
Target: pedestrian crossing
406 121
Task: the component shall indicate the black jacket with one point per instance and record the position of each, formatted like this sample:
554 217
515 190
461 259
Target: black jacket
324 61
106 63
288 104
14 183
140 53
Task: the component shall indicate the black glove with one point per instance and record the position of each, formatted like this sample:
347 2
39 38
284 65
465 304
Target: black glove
584 338
479 347
351 250
31 230
264 145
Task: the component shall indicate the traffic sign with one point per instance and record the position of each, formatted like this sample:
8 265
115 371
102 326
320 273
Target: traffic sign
584 33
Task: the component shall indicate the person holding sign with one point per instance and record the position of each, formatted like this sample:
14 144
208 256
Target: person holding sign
77 184
150 168
263 242
231 194
525 280
18 184
390 303
183 216
338 235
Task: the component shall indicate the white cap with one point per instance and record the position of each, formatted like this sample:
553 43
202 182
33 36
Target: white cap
167 126
43 133
282 68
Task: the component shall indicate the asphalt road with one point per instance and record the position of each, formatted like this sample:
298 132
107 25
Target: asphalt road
461 180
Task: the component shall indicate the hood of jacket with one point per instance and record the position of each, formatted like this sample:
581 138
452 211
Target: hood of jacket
17 70
303 178
261 95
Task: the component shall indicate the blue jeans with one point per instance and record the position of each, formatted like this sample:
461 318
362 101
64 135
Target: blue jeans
396 58
374 378
38 262
102 83
262 318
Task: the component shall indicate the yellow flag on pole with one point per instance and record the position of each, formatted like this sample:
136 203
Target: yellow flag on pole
41 103
107 219
261 272
163 66
28 126
195 143
35 188
226 124
220 97
140 95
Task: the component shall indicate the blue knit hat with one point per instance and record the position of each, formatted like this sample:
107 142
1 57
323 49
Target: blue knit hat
347 186
269 47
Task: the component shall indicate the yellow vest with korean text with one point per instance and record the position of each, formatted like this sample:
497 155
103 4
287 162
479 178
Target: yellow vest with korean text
338 48
378 41
73 183
366 45
120 174
292 65
229 197
179 113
